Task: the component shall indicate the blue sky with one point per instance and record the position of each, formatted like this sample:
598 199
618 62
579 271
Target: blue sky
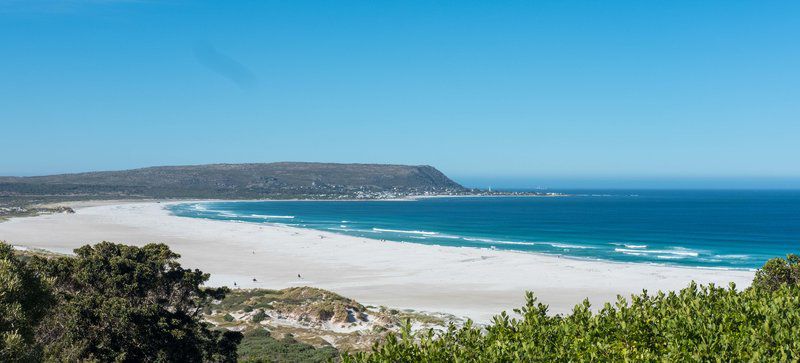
518 92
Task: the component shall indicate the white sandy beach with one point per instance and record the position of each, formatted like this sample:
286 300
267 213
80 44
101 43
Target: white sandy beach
470 282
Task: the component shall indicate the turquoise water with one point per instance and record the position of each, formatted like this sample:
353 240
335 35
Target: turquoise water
731 229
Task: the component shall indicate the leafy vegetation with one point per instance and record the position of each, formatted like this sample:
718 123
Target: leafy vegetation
24 301
698 323
778 272
259 346
110 302
259 316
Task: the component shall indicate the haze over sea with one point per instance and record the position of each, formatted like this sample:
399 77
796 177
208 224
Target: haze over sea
727 229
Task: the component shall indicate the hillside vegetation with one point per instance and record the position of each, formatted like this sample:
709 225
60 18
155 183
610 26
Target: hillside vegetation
273 180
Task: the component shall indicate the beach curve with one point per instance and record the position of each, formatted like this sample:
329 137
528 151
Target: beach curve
465 281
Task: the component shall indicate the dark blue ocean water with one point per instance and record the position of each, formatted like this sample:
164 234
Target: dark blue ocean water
732 229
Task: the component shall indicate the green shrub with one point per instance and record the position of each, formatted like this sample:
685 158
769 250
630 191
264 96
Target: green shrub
259 346
698 323
127 303
24 300
778 272
228 317
259 316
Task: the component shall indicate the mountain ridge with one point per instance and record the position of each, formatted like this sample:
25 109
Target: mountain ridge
247 180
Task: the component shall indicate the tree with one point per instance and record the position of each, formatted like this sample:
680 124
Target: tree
24 300
130 304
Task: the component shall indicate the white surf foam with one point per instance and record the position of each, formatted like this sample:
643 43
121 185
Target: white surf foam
674 252
404 231
266 216
733 257
199 207
493 241
564 245
670 257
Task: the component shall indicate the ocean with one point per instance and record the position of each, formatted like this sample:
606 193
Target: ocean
708 228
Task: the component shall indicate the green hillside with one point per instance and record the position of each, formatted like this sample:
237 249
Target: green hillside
272 180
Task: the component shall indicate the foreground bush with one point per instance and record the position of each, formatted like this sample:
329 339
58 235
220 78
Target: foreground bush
24 301
698 323
132 304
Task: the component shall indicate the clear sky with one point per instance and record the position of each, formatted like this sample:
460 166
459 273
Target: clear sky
526 92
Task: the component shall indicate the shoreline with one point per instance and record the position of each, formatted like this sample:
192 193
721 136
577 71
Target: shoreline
541 254
487 248
95 202
465 281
